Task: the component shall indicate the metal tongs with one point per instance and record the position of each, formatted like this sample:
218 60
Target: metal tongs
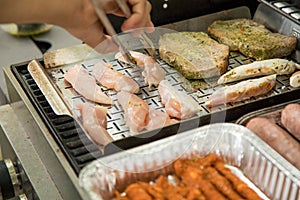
145 40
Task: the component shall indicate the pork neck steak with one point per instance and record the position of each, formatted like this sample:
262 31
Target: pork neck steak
194 54
252 39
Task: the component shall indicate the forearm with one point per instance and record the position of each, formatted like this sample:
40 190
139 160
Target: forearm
30 11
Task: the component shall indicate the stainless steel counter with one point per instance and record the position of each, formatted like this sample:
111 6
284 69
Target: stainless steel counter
42 172
37 157
19 49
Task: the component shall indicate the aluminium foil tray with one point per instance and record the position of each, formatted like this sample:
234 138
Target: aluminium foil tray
272 112
239 147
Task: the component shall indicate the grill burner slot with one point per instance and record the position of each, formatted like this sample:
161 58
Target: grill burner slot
281 4
290 9
78 149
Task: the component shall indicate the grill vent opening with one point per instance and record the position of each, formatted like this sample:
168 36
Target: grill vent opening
75 145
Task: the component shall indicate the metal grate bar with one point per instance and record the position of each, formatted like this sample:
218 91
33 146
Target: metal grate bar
116 125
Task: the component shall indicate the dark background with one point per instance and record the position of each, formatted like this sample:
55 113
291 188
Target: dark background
178 10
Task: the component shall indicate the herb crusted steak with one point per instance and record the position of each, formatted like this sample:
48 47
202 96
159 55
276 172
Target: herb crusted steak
194 54
252 39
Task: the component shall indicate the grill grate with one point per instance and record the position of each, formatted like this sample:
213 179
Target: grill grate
116 125
80 151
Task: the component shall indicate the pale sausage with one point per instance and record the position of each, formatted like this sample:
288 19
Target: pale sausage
277 138
290 119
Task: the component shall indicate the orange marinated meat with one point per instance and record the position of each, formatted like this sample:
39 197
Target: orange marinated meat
193 179
241 187
221 183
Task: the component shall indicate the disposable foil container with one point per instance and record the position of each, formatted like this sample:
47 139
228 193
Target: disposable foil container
273 113
266 171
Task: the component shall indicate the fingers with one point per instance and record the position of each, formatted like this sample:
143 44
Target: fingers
87 27
140 17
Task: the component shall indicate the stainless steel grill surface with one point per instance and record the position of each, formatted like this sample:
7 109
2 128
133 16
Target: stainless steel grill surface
116 125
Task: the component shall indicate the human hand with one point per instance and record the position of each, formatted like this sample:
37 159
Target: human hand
76 16
86 26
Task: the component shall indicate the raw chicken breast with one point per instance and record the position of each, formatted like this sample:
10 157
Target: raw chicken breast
112 79
158 119
152 71
177 104
135 109
86 85
94 122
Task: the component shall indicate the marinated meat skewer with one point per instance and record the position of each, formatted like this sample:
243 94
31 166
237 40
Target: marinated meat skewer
112 79
86 85
152 71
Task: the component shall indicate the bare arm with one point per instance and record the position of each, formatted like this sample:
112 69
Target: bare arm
76 16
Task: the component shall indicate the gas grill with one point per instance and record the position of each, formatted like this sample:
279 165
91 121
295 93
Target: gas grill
67 143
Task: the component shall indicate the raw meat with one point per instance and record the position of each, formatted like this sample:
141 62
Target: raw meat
152 71
86 85
136 111
158 119
112 79
94 122
290 116
277 138
177 104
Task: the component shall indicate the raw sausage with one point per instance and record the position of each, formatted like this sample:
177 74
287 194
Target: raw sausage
277 138
290 116
295 79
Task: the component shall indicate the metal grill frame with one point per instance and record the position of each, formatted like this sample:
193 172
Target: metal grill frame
122 139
